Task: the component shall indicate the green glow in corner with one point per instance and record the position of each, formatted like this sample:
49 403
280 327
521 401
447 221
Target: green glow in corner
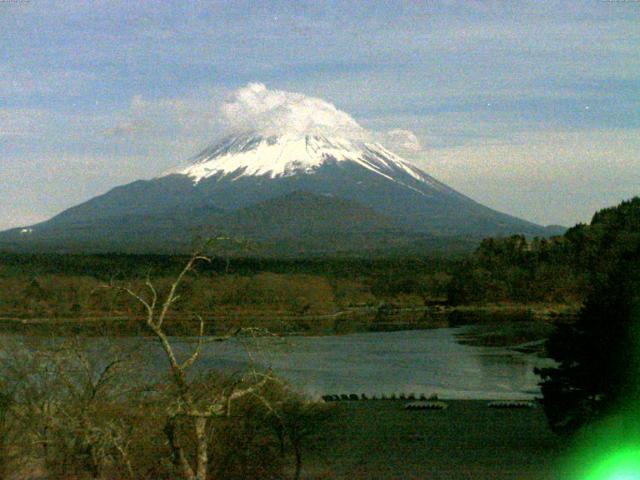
621 465
607 450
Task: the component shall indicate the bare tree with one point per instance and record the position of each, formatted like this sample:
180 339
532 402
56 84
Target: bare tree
79 408
186 406
63 416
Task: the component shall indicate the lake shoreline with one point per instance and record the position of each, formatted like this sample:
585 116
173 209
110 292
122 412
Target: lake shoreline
358 319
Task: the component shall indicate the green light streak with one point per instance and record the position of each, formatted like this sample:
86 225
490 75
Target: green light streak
609 449
621 465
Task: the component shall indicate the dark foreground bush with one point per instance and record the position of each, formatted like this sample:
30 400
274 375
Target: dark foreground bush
77 416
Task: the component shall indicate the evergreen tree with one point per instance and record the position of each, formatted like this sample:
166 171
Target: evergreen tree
599 355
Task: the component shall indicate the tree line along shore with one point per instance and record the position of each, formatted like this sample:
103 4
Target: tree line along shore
501 276
537 277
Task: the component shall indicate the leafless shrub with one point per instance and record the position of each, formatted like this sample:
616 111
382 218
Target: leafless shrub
77 407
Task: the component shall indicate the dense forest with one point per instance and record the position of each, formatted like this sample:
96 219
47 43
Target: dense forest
597 355
559 269
509 270
72 286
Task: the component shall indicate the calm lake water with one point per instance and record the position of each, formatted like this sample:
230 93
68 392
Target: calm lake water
419 361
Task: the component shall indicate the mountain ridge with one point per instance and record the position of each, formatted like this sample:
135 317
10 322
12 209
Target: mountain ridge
250 183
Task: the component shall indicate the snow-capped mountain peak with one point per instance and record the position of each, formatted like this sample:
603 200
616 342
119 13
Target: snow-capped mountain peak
271 156
291 154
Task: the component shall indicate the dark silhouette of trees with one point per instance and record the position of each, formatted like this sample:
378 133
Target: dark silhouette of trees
560 269
599 355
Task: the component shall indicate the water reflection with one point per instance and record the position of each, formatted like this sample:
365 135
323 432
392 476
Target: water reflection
421 362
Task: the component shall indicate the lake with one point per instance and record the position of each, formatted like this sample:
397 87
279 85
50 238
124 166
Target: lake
375 363
419 361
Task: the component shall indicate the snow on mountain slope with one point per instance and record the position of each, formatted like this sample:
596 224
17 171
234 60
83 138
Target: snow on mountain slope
293 153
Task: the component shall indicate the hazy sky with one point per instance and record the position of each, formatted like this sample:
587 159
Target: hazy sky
530 108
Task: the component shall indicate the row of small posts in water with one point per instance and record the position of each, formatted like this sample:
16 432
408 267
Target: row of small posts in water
421 402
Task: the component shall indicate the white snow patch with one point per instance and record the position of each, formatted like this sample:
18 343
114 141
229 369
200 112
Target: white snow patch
290 154
270 156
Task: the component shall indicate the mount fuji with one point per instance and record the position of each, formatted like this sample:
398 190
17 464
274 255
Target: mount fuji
297 176
294 192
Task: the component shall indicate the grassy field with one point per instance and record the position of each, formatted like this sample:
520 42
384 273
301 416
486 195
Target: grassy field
468 440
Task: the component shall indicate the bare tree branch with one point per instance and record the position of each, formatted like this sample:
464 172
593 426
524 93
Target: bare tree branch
195 410
196 353
171 297
178 456
236 394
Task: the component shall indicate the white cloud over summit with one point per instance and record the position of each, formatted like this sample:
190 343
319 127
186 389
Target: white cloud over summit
187 124
273 112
